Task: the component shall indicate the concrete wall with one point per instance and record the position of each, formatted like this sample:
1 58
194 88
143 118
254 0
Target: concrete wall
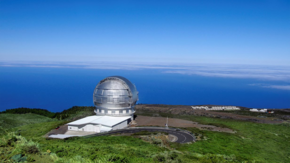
73 128
121 125
86 128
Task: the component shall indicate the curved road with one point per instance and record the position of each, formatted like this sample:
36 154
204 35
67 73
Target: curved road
182 136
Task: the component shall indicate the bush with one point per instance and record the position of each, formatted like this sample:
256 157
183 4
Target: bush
11 141
30 149
19 146
30 159
167 156
159 158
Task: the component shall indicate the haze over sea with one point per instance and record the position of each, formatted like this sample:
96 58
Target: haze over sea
58 87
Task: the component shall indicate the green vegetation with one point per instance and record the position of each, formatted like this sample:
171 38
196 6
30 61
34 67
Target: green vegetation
71 113
42 112
260 142
75 112
148 133
95 149
253 142
279 114
9 121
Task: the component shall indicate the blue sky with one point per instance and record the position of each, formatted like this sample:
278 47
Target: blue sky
247 32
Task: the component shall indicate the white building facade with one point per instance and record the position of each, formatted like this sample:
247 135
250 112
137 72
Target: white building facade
99 123
215 108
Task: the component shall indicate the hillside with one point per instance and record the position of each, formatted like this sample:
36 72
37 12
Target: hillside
9 121
72 112
252 142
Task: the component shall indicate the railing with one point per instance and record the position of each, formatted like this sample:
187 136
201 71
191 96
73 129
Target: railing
116 115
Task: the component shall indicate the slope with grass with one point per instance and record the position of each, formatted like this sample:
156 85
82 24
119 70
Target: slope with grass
42 112
253 142
71 113
9 121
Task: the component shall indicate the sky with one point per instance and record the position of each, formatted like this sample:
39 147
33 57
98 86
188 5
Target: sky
255 32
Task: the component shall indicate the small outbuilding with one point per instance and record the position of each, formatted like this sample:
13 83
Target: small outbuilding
99 123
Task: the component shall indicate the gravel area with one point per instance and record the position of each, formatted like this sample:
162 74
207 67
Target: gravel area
174 122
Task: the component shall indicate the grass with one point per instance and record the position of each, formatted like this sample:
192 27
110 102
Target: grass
278 114
71 113
9 121
106 148
253 142
265 142
93 147
148 133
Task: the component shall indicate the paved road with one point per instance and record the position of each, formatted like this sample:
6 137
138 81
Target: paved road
182 137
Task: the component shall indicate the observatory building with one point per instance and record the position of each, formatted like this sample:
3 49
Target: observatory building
115 98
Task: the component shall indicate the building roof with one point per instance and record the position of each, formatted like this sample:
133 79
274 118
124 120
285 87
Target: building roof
83 120
102 120
104 128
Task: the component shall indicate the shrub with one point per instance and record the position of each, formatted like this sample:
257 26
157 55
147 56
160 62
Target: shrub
18 145
167 156
11 141
159 158
30 159
30 149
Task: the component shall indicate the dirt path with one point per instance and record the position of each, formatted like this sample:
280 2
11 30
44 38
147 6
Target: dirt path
174 122
61 130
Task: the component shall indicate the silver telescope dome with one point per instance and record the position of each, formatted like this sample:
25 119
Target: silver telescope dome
115 96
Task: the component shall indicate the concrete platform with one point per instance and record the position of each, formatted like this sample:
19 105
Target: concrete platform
79 133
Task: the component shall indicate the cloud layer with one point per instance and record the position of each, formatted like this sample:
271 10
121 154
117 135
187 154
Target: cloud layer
238 71
282 87
274 73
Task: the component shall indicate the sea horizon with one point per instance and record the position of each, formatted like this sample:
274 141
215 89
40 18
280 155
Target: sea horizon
59 87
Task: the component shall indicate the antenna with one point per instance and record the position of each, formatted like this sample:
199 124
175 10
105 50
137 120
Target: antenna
166 124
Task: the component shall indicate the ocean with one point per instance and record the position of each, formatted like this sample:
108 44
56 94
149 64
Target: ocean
57 89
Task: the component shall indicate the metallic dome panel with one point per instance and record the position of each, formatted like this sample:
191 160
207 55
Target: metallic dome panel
115 96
